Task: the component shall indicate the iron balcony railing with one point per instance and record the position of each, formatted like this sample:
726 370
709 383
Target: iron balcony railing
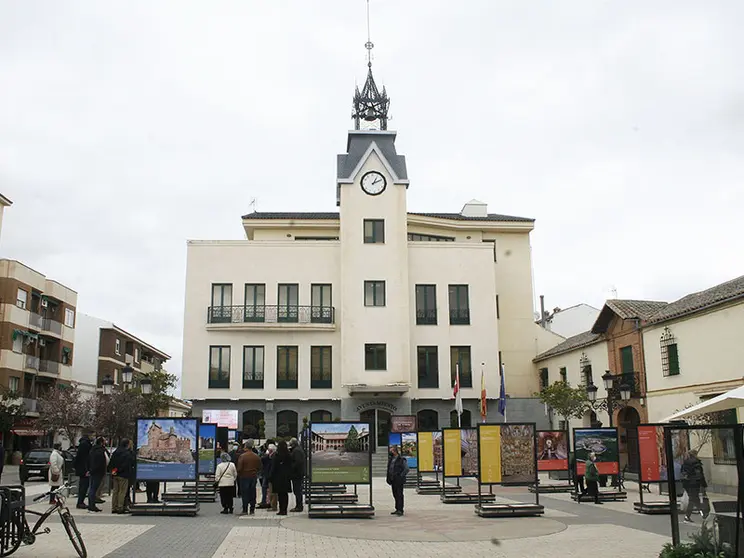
632 380
459 316
426 317
49 366
47 324
271 314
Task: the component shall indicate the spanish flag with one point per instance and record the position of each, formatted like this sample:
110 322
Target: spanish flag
483 407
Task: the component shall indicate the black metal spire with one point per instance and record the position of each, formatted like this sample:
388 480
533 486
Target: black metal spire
370 105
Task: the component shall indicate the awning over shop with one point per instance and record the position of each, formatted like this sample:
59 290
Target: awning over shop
66 350
28 334
27 432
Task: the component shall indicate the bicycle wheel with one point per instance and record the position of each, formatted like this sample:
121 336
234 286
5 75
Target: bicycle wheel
72 531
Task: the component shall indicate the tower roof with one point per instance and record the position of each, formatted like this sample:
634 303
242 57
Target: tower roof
370 105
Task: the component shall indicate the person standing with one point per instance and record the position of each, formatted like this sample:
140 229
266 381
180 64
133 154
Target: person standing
56 469
152 491
282 469
266 454
396 477
120 467
237 451
591 475
693 481
298 478
97 470
249 465
81 470
226 475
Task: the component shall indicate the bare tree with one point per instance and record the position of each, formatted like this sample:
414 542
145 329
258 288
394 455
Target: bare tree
64 409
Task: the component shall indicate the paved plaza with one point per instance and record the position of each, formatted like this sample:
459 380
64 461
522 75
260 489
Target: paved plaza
429 528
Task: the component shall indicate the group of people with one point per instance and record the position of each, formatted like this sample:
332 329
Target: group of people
279 468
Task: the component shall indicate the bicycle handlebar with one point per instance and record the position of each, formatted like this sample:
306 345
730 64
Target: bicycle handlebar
55 491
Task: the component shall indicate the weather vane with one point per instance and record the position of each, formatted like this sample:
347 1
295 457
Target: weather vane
369 45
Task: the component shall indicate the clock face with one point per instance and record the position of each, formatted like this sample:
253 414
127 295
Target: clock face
373 183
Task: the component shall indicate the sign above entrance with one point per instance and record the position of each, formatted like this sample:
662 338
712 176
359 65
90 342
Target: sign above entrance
377 404
403 423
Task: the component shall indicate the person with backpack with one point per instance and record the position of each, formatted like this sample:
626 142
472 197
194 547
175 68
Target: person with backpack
693 481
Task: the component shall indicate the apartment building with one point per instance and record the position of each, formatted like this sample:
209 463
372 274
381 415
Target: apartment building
37 338
103 349
365 312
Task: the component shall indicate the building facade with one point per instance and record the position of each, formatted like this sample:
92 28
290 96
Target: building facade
366 312
37 340
103 349
571 321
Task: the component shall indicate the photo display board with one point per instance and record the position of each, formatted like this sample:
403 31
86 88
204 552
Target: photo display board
507 454
552 450
403 423
223 439
604 443
407 442
653 459
207 448
221 417
429 452
340 452
167 449
460 452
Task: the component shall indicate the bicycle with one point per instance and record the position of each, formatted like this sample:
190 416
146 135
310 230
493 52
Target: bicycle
27 535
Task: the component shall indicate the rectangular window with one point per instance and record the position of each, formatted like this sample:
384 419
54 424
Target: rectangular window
459 305
69 317
221 309
22 299
426 304
494 247
321 304
254 309
136 355
460 359
673 359
253 367
219 367
375 356
374 293
564 375
320 368
724 447
14 384
562 425
498 312
17 342
117 346
66 355
544 378
286 367
415 237
374 231
289 300
626 359
428 367
587 378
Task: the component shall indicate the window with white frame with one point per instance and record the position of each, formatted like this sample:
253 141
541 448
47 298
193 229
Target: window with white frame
17 342
22 299
117 346
14 383
69 317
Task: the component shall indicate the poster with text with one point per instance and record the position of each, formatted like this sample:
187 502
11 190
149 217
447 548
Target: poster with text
603 443
518 454
167 449
403 423
340 452
552 450
221 417
489 442
408 446
207 448
652 454
451 444
429 452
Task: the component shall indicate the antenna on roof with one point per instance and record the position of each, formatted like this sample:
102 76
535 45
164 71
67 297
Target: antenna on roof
369 44
252 205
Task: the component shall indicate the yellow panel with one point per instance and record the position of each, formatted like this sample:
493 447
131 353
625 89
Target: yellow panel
452 457
425 452
489 446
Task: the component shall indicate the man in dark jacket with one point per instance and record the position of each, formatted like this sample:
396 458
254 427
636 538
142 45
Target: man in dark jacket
298 476
121 466
249 465
96 471
693 481
396 477
81 470
265 474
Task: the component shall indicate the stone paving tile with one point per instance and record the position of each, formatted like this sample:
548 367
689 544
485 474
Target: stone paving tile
100 539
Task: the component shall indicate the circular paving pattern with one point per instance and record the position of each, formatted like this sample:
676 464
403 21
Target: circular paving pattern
428 526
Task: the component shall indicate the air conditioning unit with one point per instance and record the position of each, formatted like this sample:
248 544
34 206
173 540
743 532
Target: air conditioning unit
44 303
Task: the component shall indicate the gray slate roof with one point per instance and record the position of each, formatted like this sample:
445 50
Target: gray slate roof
725 292
629 309
335 215
357 145
580 340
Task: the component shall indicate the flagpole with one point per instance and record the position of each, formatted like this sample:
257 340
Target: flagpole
503 388
457 384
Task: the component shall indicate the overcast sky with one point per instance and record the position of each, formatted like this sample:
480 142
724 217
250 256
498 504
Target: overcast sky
127 128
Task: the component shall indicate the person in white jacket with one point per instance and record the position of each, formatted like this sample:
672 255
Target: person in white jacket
56 469
226 476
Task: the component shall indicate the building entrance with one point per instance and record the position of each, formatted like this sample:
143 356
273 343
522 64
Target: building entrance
379 422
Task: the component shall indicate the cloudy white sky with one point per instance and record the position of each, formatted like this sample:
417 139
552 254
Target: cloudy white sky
127 128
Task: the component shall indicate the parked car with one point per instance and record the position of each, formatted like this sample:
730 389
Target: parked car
36 464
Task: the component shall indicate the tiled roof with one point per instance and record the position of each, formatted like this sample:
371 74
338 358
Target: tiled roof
580 340
730 290
334 215
629 309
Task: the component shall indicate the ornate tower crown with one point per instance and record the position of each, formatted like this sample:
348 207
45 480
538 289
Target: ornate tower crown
370 106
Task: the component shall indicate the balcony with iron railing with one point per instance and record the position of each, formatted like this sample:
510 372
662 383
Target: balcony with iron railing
426 316
276 316
31 362
459 316
49 366
44 324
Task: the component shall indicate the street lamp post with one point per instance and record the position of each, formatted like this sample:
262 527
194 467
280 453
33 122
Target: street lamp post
610 380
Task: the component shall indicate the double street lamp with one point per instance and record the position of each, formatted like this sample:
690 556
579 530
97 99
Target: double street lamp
610 380
127 376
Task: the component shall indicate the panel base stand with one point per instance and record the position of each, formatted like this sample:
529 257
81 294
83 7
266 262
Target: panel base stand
437 489
166 508
509 510
341 510
653 508
604 496
552 488
465 498
188 496
349 498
